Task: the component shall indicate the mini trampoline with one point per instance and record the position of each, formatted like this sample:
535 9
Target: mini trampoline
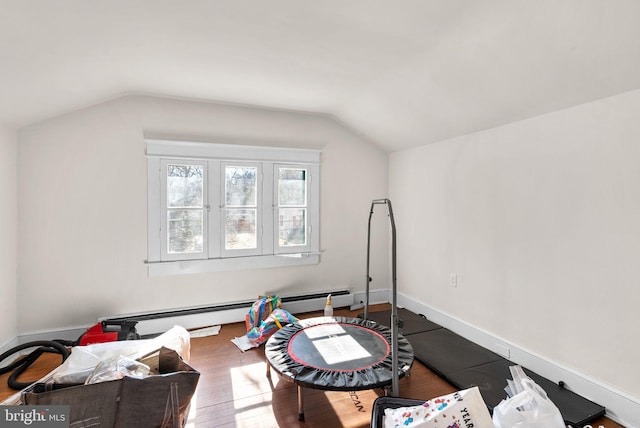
336 354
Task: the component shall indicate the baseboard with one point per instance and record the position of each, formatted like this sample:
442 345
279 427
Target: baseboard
148 324
65 334
620 407
6 346
155 323
375 297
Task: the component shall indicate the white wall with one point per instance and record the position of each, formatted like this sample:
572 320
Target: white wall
82 186
540 219
8 226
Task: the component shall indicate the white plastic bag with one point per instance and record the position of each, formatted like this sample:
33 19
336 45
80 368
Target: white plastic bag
84 359
116 368
464 408
528 407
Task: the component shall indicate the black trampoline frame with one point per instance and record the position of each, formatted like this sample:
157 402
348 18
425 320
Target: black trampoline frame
395 388
377 374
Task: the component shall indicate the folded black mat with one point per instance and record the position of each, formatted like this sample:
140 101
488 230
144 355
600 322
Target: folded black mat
465 364
491 379
445 352
410 323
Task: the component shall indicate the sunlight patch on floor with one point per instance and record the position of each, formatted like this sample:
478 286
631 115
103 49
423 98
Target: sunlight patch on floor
250 381
251 394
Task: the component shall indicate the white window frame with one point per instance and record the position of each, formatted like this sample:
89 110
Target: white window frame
165 255
312 204
215 156
258 250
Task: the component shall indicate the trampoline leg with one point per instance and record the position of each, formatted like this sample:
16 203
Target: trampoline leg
266 362
300 404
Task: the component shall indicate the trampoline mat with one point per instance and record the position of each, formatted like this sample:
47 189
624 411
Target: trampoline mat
411 323
445 352
491 379
337 354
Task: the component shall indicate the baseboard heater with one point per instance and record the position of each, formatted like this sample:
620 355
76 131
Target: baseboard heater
158 322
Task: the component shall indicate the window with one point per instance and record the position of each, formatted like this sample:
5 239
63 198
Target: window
184 216
242 220
224 207
291 183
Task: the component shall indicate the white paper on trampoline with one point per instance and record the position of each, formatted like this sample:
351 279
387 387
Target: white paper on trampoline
324 330
339 349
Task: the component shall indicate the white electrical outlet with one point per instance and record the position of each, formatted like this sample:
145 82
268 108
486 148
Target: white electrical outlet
453 279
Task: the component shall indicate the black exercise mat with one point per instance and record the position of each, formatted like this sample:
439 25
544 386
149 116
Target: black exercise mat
491 379
465 364
445 352
411 323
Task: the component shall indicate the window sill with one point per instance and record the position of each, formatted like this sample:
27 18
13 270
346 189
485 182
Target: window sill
231 264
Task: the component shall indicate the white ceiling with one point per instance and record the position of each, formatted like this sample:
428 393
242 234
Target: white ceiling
403 73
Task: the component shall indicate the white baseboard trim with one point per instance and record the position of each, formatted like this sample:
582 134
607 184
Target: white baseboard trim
6 346
63 334
343 298
66 334
375 297
226 316
620 407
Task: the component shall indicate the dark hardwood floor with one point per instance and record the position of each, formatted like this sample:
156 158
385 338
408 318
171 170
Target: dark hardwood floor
234 390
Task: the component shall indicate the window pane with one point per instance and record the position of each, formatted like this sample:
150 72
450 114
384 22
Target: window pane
240 186
185 231
293 226
184 186
292 188
240 229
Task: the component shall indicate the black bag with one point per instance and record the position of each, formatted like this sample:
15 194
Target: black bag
155 401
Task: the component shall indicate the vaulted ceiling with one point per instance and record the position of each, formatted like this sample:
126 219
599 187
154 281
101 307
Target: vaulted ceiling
403 73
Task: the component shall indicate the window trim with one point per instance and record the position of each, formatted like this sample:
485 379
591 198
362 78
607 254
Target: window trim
164 251
187 149
217 153
312 205
231 264
260 200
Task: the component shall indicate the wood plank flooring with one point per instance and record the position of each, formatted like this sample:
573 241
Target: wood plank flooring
234 390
